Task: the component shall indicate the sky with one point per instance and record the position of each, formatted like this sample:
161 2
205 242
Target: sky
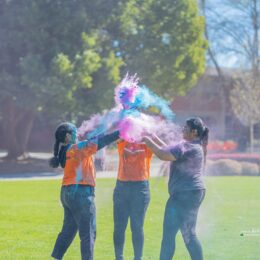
228 53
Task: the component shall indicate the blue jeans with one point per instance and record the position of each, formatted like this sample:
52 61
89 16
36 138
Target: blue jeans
79 215
131 200
181 213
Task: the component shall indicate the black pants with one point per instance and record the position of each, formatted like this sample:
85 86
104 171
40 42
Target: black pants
181 213
79 215
131 200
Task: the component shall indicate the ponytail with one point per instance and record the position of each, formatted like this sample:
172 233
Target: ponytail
59 157
202 130
62 156
59 150
204 141
54 161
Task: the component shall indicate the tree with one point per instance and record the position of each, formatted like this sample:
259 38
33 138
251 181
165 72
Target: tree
62 58
233 32
244 98
162 40
50 53
210 21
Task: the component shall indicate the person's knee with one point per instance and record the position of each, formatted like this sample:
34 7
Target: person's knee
87 235
119 233
137 225
120 226
168 238
67 234
84 236
189 237
138 234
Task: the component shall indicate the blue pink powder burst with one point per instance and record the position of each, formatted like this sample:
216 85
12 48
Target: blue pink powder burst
138 111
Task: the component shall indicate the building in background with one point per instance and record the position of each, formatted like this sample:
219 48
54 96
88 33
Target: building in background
209 100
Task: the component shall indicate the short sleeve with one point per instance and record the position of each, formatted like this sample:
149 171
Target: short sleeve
121 145
86 143
149 152
91 149
177 151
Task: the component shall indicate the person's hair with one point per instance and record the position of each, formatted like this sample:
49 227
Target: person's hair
202 130
59 150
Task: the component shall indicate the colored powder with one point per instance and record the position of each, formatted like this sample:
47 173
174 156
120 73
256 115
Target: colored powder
129 94
98 124
126 91
79 174
129 116
133 128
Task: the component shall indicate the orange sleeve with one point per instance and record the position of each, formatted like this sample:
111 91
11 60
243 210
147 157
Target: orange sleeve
90 149
121 145
149 152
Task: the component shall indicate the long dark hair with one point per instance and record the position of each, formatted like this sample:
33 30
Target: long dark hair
202 130
59 150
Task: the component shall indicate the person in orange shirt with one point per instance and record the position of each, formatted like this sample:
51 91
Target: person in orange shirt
78 186
131 195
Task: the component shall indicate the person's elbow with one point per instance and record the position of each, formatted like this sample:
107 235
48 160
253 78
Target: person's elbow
165 155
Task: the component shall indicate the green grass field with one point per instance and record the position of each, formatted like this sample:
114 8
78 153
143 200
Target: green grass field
31 217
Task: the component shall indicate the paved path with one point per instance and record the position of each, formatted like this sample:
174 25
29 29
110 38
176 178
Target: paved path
111 159
52 176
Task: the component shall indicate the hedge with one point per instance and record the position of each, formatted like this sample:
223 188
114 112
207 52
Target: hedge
228 167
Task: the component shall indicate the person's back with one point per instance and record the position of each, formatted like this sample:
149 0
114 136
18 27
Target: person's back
131 195
134 161
78 188
79 168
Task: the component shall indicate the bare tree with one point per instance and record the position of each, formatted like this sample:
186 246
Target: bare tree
244 98
232 30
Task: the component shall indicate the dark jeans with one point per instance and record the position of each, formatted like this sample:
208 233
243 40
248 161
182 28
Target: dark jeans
79 215
131 200
181 213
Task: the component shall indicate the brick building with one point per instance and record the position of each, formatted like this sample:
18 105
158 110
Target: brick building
209 100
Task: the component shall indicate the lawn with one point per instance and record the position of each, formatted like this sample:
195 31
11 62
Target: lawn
31 217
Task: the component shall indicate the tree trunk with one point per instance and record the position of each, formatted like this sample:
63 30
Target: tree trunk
251 127
25 125
17 128
12 145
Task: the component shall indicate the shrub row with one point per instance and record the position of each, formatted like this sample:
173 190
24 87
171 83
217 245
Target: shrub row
228 167
244 157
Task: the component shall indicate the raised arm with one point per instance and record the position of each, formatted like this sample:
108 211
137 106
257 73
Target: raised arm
161 152
107 139
101 142
158 141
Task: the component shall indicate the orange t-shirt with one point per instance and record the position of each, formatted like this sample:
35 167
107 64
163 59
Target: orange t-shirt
79 167
133 166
